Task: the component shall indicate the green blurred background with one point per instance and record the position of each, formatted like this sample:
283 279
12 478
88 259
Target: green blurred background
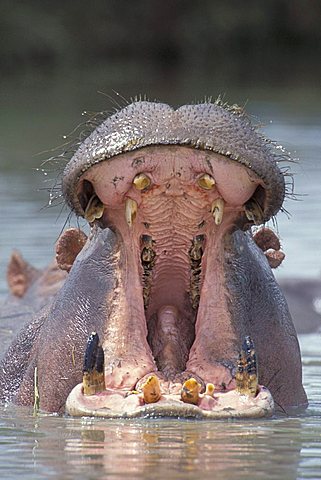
55 56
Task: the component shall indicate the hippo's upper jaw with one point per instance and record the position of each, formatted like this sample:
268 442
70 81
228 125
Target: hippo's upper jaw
175 186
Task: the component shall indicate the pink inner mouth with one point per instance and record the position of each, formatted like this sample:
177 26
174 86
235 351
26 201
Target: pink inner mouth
169 312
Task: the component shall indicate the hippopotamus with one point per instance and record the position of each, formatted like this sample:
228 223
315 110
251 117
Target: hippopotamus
170 306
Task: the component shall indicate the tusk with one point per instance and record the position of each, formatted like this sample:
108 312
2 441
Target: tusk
95 209
141 181
247 374
130 211
217 210
93 371
206 181
253 211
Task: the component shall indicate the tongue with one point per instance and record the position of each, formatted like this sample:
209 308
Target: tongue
169 350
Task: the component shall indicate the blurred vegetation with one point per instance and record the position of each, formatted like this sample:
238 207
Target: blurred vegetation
250 39
56 55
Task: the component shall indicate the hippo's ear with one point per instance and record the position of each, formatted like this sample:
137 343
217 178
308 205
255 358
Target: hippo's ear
69 244
20 274
270 245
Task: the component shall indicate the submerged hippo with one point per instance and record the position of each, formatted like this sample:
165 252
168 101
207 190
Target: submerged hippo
170 303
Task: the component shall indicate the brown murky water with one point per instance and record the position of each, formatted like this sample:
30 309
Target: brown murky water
54 447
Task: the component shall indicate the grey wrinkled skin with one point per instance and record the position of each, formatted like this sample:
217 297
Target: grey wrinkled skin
55 340
206 126
259 302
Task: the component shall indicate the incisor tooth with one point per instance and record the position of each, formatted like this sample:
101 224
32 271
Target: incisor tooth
130 211
209 389
141 181
190 391
95 209
151 389
206 181
218 210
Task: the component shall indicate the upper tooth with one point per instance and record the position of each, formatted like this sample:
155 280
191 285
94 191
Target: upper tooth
206 181
141 181
218 210
253 211
130 211
94 209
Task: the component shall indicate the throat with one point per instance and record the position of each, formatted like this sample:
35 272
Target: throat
171 274
171 281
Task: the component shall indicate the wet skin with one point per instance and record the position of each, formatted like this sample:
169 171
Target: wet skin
169 279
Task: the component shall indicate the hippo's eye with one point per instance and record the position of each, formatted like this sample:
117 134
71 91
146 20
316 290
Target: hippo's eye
142 181
206 181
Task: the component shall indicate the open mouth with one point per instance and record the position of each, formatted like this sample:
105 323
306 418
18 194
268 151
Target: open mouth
169 345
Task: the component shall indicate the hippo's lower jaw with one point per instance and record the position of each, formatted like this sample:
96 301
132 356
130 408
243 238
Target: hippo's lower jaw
154 397
231 404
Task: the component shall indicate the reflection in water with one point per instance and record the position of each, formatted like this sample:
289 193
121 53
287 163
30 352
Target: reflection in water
157 449
151 448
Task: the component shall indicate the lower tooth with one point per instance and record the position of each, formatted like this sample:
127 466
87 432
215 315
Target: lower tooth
130 211
209 389
151 389
190 391
217 210
247 375
93 372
